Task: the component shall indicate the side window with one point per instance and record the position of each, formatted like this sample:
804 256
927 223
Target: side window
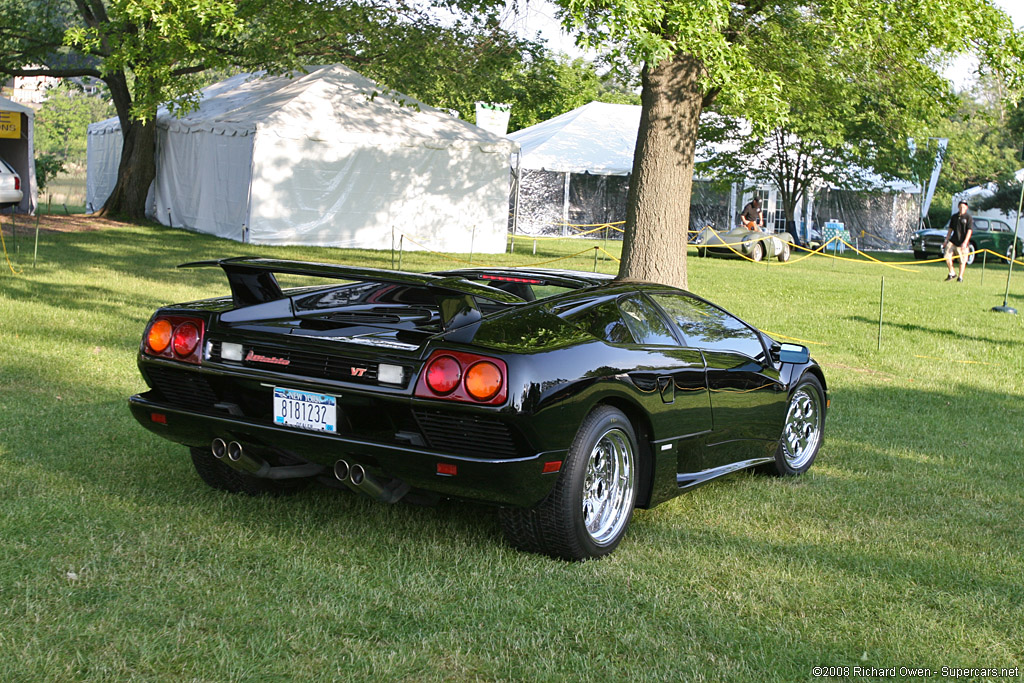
709 327
981 224
604 321
1000 226
645 322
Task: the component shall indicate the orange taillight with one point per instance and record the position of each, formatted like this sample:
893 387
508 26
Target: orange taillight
483 380
159 337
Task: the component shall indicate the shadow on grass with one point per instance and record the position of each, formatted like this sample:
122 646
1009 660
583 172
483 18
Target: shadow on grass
926 329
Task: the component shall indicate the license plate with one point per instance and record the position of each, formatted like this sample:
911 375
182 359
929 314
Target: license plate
316 412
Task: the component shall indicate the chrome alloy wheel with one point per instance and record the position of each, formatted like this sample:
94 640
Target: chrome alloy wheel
803 427
608 486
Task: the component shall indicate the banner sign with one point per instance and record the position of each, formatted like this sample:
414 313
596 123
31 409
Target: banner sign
10 124
493 117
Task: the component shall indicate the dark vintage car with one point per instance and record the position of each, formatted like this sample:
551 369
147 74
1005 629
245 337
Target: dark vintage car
565 398
988 233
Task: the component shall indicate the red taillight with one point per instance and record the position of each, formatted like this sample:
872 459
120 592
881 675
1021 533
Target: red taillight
174 337
186 339
17 183
443 375
465 377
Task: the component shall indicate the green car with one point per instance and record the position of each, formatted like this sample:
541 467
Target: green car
989 233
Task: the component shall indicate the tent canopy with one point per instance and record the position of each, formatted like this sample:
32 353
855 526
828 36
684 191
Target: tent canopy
324 158
19 152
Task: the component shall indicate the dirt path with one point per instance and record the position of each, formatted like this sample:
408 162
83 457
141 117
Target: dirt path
77 222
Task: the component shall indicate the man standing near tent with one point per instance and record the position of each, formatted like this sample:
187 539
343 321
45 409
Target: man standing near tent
958 238
751 217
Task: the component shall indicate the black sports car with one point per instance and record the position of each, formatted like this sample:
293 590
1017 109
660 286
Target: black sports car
565 398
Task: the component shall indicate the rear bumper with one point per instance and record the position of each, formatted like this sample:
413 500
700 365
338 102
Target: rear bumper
517 481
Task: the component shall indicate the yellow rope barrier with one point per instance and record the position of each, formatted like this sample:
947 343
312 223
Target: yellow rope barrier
872 258
802 341
6 257
954 360
491 265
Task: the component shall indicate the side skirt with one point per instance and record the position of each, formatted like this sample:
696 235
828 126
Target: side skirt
689 480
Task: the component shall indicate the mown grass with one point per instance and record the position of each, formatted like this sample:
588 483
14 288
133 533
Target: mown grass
901 547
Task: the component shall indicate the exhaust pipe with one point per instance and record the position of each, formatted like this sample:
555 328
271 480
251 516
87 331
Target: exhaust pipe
362 481
235 451
238 459
218 448
341 471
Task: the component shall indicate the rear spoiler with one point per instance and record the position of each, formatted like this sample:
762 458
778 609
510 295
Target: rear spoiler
252 282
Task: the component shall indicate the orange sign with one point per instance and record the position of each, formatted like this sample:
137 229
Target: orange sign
10 124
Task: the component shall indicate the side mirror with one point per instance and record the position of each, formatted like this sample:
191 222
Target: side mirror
794 353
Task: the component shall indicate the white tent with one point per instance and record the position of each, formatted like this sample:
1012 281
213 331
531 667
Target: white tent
17 147
597 138
324 158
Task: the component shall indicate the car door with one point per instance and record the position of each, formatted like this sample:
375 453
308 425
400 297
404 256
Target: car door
748 398
672 375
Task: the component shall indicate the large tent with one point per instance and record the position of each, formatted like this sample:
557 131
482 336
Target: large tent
17 147
574 170
320 158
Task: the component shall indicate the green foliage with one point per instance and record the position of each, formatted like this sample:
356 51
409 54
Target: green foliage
47 168
61 123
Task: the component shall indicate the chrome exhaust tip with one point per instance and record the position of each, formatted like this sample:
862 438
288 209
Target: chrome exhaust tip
235 451
341 470
218 448
357 474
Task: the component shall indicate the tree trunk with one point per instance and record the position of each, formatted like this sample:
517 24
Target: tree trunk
658 214
137 167
135 172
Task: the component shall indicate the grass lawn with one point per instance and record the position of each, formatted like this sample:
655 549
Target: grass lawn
902 547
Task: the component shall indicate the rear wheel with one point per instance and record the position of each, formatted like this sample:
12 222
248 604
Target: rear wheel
702 252
1010 255
785 252
587 513
220 476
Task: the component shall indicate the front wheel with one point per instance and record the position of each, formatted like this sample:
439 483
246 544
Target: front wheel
587 513
803 430
757 251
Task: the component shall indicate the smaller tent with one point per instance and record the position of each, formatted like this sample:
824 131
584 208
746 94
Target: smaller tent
17 147
322 158
575 171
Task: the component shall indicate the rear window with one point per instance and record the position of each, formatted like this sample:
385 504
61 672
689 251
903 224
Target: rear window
603 321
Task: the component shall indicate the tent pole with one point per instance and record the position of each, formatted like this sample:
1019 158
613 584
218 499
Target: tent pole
565 206
517 178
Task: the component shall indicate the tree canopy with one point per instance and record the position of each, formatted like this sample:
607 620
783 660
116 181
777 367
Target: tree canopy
820 70
151 52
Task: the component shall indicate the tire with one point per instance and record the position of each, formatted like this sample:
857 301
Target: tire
971 247
803 431
1010 254
588 512
920 255
757 252
220 476
785 252
702 252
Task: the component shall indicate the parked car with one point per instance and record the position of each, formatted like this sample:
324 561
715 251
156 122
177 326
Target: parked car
750 243
988 233
10 185
567 399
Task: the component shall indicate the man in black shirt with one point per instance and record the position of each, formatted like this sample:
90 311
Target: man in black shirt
751 216
958 239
